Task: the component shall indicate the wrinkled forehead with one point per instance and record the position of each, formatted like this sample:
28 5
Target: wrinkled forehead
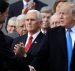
65 9
55 17
31 15
46 14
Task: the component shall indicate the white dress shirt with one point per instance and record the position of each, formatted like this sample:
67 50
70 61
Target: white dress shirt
34 37
25 4
43 31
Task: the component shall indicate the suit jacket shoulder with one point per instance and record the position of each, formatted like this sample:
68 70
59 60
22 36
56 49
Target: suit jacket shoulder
15 9
39 4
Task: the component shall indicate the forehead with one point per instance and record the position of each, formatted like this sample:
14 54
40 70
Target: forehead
66 10
31 15
12 23
65 7
45 14
54 18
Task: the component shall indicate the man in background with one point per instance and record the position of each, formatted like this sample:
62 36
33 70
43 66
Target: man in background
46 13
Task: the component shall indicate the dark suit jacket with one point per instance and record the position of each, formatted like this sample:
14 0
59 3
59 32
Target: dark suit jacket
53 52
7 57
33 49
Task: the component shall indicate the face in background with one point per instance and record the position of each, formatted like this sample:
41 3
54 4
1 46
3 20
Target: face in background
11 25
45 20
55 20
32 22
21 27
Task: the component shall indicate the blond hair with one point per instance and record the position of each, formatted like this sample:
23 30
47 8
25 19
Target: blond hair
66 6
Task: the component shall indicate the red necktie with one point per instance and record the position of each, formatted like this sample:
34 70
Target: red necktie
28 44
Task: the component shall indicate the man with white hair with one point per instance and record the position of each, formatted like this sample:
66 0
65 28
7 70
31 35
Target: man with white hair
21 25
11 25
33 25
54 20
11 28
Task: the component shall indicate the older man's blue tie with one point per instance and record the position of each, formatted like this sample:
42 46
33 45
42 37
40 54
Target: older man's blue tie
69 47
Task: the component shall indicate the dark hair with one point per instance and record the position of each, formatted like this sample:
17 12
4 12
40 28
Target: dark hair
3 6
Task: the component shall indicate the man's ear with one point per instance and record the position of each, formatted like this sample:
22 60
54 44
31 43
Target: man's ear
0 13
73 16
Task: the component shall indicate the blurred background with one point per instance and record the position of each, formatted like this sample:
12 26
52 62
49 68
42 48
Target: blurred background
49 2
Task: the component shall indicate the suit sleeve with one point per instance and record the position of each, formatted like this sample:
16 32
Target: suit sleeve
8 56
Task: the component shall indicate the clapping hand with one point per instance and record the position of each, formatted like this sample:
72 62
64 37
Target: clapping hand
19 49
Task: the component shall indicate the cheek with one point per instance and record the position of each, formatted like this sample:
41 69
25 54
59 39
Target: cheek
9 28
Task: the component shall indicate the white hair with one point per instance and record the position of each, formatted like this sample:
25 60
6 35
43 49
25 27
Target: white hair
55 15
19 18
39 17
11 20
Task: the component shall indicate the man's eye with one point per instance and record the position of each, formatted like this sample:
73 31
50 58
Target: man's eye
30 19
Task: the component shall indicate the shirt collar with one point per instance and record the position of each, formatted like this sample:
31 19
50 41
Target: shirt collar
34 35
73 29
24 2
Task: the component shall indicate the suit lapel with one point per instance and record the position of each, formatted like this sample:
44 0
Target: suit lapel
60 38
36 42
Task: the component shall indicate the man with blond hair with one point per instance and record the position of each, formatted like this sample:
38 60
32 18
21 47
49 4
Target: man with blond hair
55 49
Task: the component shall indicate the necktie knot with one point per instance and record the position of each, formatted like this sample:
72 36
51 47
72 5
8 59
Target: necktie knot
69 30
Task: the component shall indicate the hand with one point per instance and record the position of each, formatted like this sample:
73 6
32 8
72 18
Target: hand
32 68
31 5
25 10
19 50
